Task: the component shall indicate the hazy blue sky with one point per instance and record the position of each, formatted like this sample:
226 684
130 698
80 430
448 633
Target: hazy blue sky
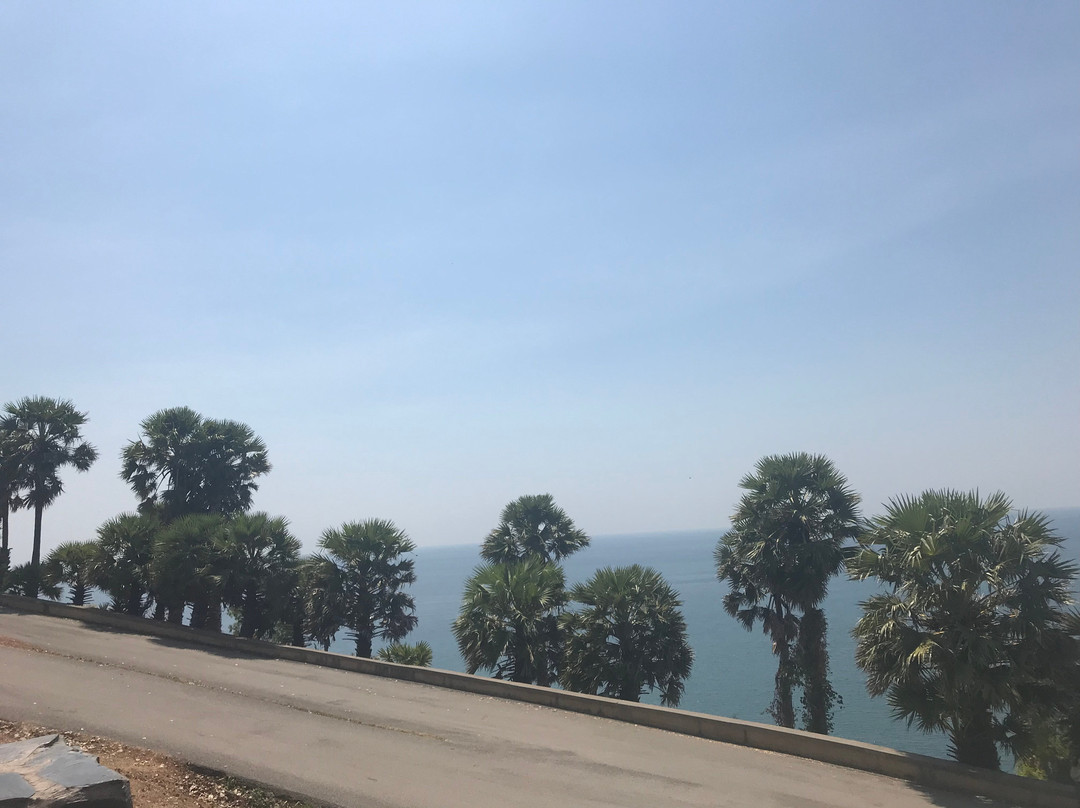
441 255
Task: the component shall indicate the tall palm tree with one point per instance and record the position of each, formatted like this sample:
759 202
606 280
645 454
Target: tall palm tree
259 558
12 475
509 620
785 544
11 469
71 564
124 565
974 618
357 582
629 637
533 526
183 464
46 435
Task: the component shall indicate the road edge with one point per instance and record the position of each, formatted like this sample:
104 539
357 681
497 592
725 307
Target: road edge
920 770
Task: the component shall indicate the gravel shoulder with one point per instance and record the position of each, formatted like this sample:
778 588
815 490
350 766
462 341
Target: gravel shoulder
157 780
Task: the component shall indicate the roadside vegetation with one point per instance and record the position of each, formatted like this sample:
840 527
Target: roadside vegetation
975 633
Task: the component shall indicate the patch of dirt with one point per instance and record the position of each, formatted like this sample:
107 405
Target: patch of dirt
11 642
158 781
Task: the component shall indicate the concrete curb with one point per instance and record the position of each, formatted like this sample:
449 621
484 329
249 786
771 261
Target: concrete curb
919 769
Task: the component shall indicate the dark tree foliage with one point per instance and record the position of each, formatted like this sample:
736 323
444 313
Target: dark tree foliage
785 544
533 527
124 566
185 464
12 481
358 582
627 638
972 637
71 564
258 560
189 568
509 621
40 436
19 582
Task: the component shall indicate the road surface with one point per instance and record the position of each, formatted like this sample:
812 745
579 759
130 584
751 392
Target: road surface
352 740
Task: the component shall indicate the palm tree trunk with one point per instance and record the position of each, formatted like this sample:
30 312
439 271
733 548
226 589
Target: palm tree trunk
78 594
159 611
5 552
363 645
298 631
973 740
249 615
135 603
818 694
35 559
199 608
213 614
5 512
782 710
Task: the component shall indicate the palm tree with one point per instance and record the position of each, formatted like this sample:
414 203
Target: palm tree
18 582
188 566
974 618
124 565
509 620
533 526
357 582
259 559
45 434
318 607
184 463
629 637
71 564
785 544
418 655
11 482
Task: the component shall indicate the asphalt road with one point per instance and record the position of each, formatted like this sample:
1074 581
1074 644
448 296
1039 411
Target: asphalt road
352 740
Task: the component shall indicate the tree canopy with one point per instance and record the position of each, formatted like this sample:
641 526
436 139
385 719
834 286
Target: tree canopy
974 620
358 582
533 526
627 638
183 463
508 623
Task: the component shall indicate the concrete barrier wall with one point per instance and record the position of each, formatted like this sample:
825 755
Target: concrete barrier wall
919 769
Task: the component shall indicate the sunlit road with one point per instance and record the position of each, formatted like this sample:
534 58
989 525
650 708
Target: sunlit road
353 740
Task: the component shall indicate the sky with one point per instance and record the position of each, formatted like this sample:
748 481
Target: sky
442 255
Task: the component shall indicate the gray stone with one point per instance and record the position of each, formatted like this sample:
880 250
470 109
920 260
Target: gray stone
10 752
47 773
15 792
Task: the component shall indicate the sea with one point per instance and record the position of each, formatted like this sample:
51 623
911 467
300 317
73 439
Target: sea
733 669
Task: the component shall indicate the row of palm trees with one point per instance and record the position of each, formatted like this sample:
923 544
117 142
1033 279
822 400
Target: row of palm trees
194 549
247 567
975 633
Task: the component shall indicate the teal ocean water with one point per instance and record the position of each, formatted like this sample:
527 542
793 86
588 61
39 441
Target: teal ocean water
733 669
